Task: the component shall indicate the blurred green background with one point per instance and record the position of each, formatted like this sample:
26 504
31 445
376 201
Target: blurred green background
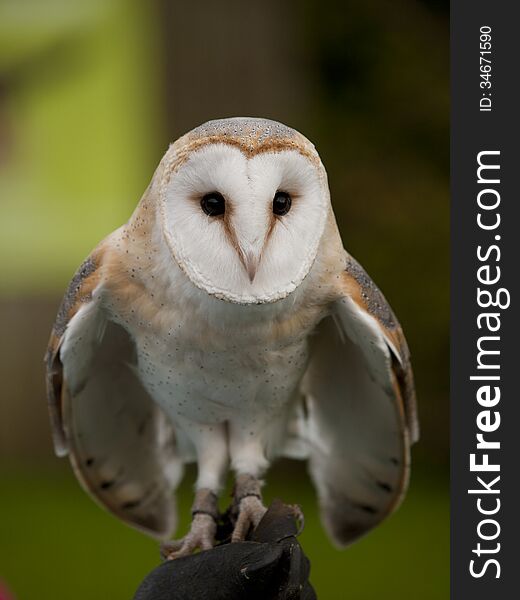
91 93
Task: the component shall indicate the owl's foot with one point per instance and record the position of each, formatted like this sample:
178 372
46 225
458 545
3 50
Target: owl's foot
248 501
250 513
201 535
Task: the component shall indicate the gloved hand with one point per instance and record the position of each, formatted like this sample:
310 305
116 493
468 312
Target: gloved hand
270 565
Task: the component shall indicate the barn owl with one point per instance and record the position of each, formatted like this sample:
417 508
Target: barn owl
225 324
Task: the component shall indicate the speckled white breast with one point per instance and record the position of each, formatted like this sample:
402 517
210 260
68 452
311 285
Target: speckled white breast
212 381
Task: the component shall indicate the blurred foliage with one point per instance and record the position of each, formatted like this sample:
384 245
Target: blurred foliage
91 93
77 131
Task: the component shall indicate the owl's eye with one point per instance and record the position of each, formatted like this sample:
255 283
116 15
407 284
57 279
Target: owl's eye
213 204
281 203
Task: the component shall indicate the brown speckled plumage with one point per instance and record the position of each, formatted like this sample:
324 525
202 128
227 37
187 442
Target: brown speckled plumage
250 133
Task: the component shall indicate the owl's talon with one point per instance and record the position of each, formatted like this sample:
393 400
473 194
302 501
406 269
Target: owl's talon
201 536
250 512
299 517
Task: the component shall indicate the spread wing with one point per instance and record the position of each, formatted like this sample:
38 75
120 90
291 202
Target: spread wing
361 409
120 444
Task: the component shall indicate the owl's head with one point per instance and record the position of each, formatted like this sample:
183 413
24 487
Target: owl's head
243 204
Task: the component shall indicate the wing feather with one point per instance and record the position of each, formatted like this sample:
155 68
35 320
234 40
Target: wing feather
369 298
120 444
361 406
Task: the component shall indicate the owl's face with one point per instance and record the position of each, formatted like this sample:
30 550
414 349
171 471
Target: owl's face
245 228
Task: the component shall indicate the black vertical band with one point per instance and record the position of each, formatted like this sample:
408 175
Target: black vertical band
485 367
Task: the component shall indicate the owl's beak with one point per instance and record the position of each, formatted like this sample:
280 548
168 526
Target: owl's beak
250 259
249 251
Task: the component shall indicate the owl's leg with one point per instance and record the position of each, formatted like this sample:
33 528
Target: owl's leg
248 501
212 459
249 463
202 531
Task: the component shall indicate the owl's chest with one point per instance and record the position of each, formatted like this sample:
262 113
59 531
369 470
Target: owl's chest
208 375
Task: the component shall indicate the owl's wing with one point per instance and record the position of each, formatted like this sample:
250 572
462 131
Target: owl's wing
120 444
361 415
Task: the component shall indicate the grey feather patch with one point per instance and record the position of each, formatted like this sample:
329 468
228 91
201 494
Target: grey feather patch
247 129
375 301
71 295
